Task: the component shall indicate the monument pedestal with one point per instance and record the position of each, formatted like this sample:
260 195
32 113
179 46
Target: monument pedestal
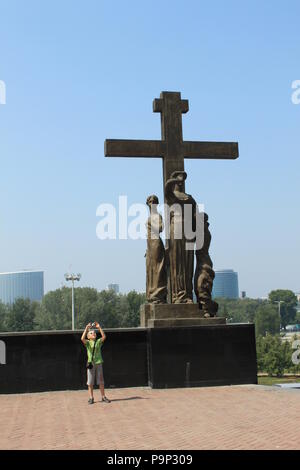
169 315
187 350
197 356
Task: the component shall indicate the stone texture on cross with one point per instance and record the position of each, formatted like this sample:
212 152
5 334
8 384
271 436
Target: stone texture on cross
172 148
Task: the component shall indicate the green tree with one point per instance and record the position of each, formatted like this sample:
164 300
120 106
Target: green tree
238 310
20 316
295 368
267 320
288 306
3 316
87 308
54 312
273 355
297 318
131 318
110 309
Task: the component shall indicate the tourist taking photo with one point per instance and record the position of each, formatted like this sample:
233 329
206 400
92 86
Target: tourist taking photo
94 360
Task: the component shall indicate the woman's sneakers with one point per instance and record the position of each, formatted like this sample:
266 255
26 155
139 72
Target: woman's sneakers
91 401
106 400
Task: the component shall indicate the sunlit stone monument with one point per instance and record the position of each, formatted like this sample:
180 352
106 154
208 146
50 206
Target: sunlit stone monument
171 276
187 343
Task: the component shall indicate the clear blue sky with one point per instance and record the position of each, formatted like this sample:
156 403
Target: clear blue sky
79 72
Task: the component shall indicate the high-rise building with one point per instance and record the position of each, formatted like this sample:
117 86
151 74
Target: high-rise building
226 284
114 287
21 284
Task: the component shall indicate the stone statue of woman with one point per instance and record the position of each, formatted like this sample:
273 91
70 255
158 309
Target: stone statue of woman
182 215
156 275
204 275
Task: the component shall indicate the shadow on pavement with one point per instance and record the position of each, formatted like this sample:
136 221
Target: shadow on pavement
129 398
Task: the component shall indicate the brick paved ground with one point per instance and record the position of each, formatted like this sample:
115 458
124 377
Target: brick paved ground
140 418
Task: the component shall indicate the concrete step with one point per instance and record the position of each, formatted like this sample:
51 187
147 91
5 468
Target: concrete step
186 314
167 322
161 315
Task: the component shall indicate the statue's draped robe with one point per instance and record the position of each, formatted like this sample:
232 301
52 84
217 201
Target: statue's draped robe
156 278
204 276
181 259
202 258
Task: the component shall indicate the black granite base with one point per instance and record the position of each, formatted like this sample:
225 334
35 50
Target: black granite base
56 360
135 357
202 356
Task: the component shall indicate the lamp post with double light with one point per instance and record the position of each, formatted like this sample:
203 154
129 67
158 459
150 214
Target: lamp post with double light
73 278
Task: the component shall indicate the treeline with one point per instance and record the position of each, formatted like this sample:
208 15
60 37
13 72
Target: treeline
54 312
264 313
122 310
274 355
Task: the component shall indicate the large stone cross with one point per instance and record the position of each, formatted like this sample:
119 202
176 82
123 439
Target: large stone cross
172 148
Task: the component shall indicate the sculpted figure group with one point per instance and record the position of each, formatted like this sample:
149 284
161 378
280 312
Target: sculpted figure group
170 269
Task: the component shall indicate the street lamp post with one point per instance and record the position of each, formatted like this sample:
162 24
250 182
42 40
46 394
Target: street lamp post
279 302
73 278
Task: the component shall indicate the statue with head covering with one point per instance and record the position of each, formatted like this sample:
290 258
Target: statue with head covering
182 214
204 274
